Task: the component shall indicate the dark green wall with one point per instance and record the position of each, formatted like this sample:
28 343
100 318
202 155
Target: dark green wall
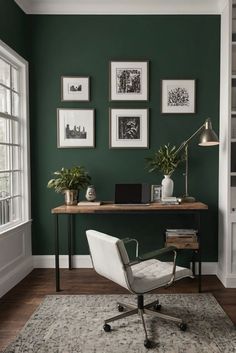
14 30
177 47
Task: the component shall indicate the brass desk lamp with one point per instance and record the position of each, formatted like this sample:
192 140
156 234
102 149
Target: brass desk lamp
208 137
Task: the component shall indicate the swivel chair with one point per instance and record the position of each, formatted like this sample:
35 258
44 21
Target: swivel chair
110 259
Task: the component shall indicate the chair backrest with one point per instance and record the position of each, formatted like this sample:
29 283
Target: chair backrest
109 257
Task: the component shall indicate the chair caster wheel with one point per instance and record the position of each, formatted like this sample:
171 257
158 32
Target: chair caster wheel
107 328
157 307
147 344
120 308
183 326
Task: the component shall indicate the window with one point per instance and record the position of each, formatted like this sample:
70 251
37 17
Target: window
14 178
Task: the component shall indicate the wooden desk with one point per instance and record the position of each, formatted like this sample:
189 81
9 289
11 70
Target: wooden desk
195 209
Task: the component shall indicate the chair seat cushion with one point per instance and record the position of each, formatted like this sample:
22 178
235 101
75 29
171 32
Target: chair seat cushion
151 274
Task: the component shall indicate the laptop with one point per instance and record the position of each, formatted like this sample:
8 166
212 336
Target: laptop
132 194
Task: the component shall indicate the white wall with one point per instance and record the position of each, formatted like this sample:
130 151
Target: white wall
16 260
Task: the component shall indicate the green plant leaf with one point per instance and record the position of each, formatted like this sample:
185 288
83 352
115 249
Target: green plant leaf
75 178
164 160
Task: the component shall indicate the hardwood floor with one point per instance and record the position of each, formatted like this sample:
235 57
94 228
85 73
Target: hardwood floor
17 306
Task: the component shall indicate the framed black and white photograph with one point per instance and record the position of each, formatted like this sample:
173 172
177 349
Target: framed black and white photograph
75 88
178 96
128 80
156 193
129 128
75 128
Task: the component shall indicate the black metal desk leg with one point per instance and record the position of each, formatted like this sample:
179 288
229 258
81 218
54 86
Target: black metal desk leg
199 272
70 235
198 215
194 263
57 267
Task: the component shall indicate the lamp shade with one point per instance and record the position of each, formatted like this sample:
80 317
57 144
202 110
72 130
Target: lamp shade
208 136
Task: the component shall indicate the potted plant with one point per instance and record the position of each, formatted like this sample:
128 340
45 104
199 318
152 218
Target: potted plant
69 181
165 159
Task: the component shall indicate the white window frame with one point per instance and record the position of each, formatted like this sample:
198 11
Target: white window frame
16 60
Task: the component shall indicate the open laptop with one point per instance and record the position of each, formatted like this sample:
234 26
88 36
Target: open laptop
132 194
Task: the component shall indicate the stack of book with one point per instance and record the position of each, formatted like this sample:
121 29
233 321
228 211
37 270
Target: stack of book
182 238
89 203
169 200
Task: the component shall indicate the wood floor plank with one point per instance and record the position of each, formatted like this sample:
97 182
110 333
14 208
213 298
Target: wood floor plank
18 305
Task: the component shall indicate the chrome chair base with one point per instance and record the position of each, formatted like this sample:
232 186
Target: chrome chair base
148 309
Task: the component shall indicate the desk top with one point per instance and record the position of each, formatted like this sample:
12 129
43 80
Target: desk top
108 207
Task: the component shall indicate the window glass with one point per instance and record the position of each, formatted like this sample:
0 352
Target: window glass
15 80
4 130
14 203
4 157
16 183
5 211
16 158
15 104
16 209
15 131
5 75
4 185
5 100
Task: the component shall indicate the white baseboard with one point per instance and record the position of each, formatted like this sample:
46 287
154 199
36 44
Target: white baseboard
228 280
84 261
48 261
209 268
79 261
13 277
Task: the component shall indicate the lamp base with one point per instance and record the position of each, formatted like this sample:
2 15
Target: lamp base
187 199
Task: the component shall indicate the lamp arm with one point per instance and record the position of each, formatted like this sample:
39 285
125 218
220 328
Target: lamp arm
184 143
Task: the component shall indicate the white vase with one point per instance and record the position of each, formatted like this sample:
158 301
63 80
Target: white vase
167 186
90 193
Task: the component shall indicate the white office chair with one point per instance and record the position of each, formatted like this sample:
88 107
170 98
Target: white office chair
145 273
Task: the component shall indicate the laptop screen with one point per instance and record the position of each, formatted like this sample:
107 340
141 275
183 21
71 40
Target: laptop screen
129 194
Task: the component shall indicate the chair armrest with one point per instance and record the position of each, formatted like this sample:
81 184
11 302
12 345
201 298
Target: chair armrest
129 240
156 253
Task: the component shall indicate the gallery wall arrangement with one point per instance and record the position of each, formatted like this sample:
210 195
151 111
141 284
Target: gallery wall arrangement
128 128
176 48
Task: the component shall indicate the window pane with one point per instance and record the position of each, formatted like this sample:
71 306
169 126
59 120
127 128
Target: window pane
4 185
15 79
4 130
16 158
4 211
16 183
13 199
16 208
5 100
15 104
4 73
4 157
15 131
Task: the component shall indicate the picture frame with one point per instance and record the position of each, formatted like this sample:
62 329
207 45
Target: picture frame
128 128
75 88
75 128
128 80
178 96
156 193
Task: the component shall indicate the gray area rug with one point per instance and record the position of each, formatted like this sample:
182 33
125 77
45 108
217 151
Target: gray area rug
74 324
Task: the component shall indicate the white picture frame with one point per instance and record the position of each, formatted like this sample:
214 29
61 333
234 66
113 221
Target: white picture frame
75 128
75 88
156 193
128 80
178 96
129 128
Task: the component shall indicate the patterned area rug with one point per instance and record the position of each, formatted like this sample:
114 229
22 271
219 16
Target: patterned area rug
74 324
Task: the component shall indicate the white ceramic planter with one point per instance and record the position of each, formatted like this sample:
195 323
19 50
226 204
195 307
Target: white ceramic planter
167 186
